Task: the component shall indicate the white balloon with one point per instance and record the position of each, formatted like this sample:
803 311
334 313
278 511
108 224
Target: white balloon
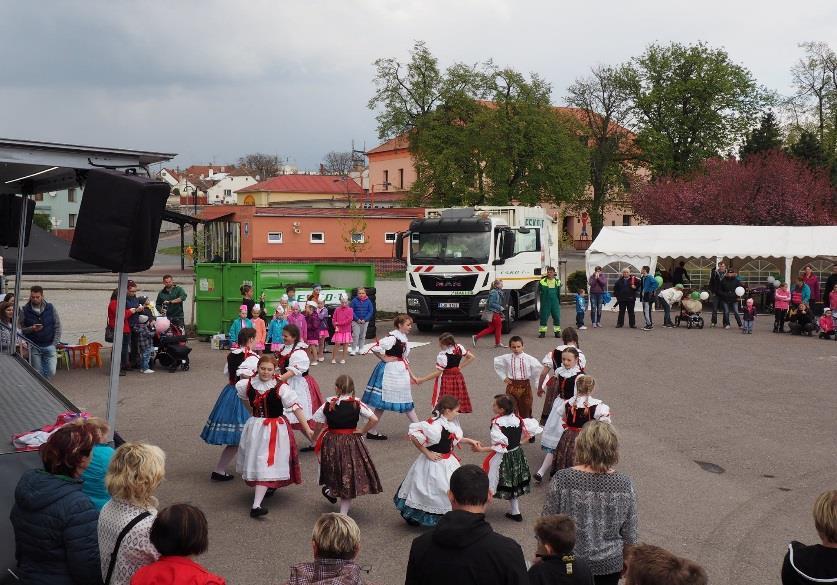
739 291
704 296
770 279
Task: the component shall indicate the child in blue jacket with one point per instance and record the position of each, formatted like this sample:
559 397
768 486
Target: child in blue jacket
580 308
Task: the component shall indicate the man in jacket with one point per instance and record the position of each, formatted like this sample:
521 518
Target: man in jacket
463 549
625 292
172 297
667 298
40 323
729 299
649 287
715 278
550 291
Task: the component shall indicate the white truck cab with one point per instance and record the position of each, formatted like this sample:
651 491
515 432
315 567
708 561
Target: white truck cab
454 255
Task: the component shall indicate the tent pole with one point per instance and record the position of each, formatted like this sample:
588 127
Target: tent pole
788 271
116 355
21 239
182 245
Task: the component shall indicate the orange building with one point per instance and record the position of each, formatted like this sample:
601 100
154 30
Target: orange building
247 233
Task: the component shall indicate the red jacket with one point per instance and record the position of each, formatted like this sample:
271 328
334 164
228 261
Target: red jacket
126 328
175 571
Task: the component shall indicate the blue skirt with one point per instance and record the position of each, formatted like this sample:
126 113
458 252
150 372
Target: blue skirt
226 421
420 516
373 397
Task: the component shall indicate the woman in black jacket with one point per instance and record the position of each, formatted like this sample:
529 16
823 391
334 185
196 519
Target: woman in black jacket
54 521
802 321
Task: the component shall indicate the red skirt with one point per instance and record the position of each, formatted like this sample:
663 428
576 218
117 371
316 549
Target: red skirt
316 402
451 382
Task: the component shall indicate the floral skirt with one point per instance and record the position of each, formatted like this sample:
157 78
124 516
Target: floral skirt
565 451
346 467
514 476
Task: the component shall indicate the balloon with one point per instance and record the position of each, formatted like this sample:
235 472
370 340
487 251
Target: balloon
695 295
770 279
161 324
739 291
659 280
704 296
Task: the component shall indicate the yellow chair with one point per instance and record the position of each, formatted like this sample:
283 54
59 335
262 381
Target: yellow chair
63 358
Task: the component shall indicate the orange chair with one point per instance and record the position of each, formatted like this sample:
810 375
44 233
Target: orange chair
91 354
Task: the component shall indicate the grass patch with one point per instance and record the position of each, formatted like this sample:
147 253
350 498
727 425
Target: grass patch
170 251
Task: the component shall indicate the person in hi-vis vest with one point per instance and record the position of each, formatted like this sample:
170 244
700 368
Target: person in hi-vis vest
550 291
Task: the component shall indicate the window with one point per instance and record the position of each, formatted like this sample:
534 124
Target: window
274 237
227 192
386 180
400 178
71 195
755 272
626 219
389 237
358 238
319 237
72 220
530 242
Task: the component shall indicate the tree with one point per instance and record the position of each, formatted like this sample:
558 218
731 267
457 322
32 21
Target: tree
768 136
261 166
815 78
808 149
354 233
767 188
338 163
690 103
604 112
43 221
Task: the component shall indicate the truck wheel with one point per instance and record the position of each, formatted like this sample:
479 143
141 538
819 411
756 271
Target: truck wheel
536 313
511 316
424 326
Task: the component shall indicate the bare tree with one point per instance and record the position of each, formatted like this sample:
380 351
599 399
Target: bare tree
815 81
338 163
261 166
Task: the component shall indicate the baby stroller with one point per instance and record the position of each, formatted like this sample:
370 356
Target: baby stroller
690 314
172 351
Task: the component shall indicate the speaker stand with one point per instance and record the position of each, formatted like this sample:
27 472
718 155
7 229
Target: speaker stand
116 352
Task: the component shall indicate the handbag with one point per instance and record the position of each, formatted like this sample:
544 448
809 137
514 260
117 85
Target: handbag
108 333
128 527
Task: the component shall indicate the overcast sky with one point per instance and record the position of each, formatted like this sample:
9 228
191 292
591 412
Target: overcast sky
213 80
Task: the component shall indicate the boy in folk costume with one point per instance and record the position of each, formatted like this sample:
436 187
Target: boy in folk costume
293 365
448 373
518 370
268 458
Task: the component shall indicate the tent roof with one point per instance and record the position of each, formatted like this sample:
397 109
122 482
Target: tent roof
706 241
45 254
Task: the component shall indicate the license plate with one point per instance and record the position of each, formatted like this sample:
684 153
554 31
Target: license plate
448 305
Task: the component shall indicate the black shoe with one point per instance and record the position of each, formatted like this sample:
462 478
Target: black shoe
123 372
376 437
557 334
619 326
221 476
306 449
633 326
256 512
269 493
515 517
327 495
538 478
531 439
541 335
412 522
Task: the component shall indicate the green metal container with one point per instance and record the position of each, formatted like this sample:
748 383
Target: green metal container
236 275
210 316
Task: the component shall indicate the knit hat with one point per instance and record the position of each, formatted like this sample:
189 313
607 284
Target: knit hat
344 296
242 308
284 298
257 307
279 310
678 286
311 304
827 310
749 302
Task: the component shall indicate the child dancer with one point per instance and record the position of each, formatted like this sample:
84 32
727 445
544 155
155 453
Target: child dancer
274 332
297 318
342 319
260 327
518 370
267 457
293 363
563 387
346 469
322 314
422 498
389 385
228 416
448 372
569 418
781 304
506 465
569 338
749 316
312 328
241 323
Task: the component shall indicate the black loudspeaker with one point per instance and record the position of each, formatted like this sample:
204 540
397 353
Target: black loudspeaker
119 221
10 219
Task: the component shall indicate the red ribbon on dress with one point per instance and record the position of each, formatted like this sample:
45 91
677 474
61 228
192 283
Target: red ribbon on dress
319 444
273 423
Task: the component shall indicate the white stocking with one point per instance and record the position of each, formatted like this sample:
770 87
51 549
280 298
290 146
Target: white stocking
345 504
515 506
227 455
547 464
413 416
379 412
259 497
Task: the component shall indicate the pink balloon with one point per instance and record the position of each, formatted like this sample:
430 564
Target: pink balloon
162 324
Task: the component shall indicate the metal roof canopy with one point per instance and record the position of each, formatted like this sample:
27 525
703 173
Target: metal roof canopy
51 166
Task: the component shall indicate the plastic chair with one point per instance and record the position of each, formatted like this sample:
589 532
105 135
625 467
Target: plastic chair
63 358
91 354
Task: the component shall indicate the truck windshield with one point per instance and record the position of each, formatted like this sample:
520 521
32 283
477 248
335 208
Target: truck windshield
450 248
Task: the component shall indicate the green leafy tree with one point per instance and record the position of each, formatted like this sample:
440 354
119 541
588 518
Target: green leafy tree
767 136
43 221
808 148
691 102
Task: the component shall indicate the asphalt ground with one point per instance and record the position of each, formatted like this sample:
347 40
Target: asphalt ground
762 407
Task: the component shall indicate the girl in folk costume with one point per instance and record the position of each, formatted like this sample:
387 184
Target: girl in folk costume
346 469
267 457
238 324
228 416
562 382
506 465
578 410
448 373
293 364
422 498
389 385
274 331
322 314
569 338
312 330
260 327
295 317
342 320
518 370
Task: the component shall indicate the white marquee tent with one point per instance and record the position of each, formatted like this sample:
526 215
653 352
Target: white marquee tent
645 244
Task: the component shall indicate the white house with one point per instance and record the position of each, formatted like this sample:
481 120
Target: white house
223 191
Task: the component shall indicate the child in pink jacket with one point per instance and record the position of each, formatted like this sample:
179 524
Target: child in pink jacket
826 325
342 320
781 303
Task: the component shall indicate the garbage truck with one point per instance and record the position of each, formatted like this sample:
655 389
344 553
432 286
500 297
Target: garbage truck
454 255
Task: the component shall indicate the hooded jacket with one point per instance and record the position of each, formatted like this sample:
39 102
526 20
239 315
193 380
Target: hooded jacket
464 550
55 531
805 565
